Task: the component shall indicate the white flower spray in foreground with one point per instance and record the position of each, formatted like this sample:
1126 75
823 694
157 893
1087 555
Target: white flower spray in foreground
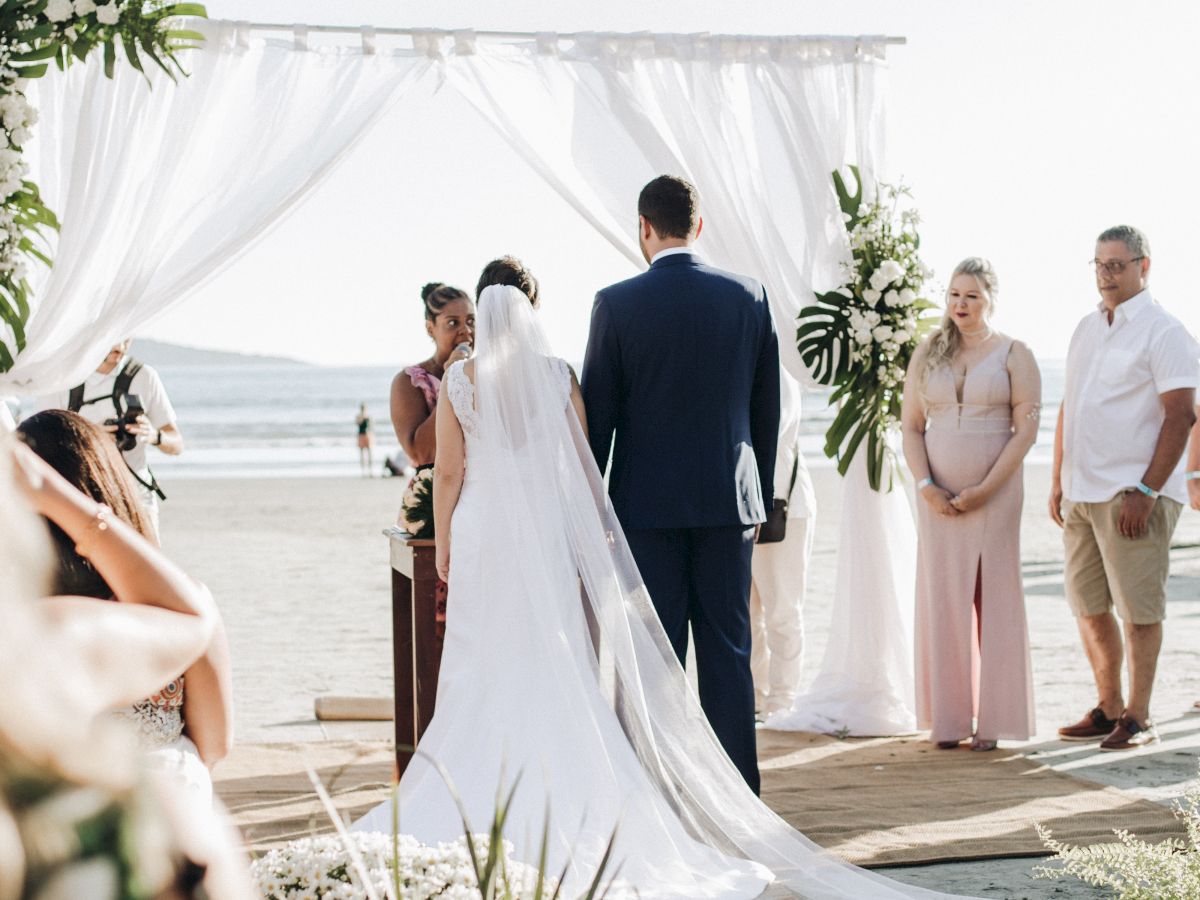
320 867
1133 868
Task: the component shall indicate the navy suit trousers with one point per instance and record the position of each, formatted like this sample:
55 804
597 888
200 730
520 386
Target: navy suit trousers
701 577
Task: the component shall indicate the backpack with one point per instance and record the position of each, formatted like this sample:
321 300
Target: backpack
124 380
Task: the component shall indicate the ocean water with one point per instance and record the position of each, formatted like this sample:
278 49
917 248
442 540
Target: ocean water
276 421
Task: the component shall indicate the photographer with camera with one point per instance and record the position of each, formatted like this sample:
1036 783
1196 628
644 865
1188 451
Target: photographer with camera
127 399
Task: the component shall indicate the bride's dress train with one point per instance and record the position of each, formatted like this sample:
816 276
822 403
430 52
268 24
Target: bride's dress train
600 742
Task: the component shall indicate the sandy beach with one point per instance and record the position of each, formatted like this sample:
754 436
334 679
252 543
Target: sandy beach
299 568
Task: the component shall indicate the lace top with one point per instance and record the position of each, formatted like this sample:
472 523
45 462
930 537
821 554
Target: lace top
428 384
158 719
461 392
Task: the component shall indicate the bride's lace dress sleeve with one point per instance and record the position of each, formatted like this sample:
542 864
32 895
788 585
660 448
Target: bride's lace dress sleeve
461 392
158 720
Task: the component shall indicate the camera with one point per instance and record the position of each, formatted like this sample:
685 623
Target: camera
126 439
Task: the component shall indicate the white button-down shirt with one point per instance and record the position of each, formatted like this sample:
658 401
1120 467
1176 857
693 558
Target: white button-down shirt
1112 413
671 251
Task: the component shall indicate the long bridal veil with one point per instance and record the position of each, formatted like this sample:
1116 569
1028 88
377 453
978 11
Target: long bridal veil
539 481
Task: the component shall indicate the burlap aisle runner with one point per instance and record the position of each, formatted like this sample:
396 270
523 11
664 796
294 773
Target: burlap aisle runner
900 801
876 802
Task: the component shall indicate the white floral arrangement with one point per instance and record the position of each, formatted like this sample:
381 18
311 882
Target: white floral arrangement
33 33
859 337
322 867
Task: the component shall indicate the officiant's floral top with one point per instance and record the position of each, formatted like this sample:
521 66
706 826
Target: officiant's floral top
427 384
158 719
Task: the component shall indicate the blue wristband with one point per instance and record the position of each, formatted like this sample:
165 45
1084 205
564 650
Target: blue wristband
1148 491
924 483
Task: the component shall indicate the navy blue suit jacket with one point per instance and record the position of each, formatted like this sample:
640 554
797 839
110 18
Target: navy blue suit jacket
682 365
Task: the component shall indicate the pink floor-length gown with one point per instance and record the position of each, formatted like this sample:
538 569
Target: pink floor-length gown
963 670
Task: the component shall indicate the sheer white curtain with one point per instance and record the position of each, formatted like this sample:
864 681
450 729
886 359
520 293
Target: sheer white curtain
758 124
158 188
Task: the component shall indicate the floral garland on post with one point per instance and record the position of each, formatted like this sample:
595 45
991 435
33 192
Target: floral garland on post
33 32
859 337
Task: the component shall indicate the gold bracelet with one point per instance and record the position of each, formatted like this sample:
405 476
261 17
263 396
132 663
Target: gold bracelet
99 524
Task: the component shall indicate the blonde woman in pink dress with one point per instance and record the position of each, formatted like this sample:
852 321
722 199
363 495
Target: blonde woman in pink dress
972 400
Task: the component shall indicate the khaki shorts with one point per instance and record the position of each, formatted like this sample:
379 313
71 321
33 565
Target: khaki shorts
1104 569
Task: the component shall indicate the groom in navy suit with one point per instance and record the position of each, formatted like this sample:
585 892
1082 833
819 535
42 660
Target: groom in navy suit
682 365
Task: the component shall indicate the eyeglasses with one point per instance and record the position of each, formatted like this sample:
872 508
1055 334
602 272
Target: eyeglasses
1116 267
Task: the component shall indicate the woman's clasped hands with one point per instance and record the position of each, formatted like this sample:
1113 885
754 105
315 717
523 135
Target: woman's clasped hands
946 504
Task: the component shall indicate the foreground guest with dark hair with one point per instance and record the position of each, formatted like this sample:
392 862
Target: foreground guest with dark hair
450 324
64 663
972 401
186 725
1118 488
682 366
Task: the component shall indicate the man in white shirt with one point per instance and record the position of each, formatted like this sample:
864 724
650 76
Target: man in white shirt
1118 489
779 570
155 427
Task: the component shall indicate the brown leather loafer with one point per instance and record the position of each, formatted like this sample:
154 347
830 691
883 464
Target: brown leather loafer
1093 726
1129 735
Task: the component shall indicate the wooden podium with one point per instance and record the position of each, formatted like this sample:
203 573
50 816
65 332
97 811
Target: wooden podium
418 626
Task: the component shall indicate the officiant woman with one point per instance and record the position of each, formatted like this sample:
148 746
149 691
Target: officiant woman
450 323
971 404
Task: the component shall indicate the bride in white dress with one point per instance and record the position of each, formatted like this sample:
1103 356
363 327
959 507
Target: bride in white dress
601 741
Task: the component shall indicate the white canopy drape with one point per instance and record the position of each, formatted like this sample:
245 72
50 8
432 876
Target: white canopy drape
758 124
158 188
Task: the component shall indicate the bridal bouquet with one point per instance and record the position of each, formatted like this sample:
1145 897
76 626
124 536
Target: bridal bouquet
859 337
321 867
32 33
416 506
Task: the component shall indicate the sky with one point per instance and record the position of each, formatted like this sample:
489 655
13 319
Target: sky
1023 128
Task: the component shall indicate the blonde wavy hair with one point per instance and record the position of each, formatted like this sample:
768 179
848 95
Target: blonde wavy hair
947 340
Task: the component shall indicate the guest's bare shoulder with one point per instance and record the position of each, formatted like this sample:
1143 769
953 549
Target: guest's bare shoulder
1021 358
403 389
922 352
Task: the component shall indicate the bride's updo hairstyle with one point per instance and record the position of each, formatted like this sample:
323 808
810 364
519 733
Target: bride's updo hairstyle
437 295
947 340
511 271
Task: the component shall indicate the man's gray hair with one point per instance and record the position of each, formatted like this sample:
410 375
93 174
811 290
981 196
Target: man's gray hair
1133 238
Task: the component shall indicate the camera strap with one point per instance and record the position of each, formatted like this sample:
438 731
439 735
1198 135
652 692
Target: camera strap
153 484
121 386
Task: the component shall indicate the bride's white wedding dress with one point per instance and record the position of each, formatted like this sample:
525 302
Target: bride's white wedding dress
605 741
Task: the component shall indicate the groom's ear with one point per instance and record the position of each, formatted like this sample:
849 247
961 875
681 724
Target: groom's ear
645 229
699 225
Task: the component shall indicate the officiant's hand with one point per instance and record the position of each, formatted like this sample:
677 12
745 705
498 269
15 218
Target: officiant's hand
970 499
939 499
442 559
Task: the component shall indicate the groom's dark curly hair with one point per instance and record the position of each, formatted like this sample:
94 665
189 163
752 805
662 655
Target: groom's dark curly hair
671 205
